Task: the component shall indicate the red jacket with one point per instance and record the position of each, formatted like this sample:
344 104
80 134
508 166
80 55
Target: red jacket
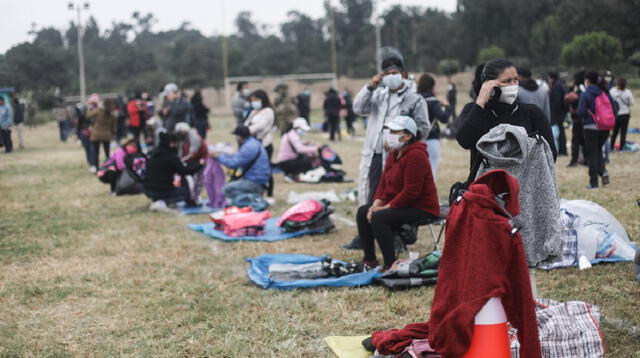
135 107
480 260
408 182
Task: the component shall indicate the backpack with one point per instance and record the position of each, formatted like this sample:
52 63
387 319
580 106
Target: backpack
604 118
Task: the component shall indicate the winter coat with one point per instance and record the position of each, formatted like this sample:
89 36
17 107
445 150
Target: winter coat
530 92
477 121
530 161
436 114
193 147
481 260
6 116
117 158
556 103
332 105
260 172
376 104
178 112
162 166
239 105
18 114
407 182
587 103
261 124
137 110
623 98
103 126
291 146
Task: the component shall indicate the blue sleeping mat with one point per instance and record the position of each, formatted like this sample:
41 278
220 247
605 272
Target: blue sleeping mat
272 232
202 209
259 273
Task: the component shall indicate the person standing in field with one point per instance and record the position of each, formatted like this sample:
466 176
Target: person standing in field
103 129
624 98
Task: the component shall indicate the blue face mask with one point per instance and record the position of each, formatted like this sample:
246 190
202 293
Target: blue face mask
300 132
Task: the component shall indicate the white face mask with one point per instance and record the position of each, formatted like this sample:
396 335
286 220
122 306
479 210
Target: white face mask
246 92
509 94
392 82
393 140
256 104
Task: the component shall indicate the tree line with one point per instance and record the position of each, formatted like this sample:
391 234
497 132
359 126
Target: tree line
130 55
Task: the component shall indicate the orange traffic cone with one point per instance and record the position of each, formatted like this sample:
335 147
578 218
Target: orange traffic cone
490 335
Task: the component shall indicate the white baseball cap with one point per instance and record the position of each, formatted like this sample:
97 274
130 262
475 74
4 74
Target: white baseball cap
301 123
403 123
169 88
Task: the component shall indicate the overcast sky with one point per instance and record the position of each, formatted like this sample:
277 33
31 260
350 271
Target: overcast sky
18 16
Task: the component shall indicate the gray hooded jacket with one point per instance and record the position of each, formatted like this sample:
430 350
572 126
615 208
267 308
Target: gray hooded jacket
530 161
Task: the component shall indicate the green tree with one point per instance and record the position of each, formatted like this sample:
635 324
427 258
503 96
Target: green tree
489 53
448 67
595 50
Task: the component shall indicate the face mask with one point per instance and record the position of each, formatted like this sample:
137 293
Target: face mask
300 132
509 94
393 141
256 104
392 82
246 92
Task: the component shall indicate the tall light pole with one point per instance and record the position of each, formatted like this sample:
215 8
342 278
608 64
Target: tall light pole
376 24
225 57
83 86
334 49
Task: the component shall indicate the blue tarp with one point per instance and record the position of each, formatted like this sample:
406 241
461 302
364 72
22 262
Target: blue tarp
202 209
272 232
259 273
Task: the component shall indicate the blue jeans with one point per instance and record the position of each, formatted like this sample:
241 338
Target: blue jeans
88 148
65 129
241 186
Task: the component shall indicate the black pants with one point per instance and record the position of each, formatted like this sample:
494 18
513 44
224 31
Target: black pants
593 141
381 229
375 173
172 195
96 151
6 140
269 150
293 167
135 132
334 127
577 140
622 123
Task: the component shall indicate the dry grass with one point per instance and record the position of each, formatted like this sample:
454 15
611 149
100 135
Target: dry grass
83 273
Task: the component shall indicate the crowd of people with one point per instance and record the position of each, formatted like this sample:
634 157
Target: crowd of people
168 156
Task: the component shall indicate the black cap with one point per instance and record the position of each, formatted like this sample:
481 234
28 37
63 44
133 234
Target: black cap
242 131
392 64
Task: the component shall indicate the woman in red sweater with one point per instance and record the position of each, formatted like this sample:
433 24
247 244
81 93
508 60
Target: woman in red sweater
406 193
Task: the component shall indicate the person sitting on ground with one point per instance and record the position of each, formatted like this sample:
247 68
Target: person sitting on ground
192 148
112 168
152 133
162 166
295 156
406 193
251 159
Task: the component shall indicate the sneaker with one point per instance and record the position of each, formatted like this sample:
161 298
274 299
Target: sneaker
159 205
370 265
289 179
605 178
355 244
93 169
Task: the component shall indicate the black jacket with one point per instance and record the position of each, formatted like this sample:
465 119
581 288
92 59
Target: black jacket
162 166
477 121
556 103
436 114
332 105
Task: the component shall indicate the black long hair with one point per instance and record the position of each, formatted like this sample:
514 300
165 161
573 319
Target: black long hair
264 98
426 83
489 71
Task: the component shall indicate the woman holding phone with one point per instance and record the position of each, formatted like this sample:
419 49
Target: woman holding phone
496 86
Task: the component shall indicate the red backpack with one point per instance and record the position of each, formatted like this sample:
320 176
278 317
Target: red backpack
604 118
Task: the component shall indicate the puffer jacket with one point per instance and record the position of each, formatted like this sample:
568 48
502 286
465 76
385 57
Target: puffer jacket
103 126
260 171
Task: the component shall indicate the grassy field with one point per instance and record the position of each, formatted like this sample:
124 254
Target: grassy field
83 273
